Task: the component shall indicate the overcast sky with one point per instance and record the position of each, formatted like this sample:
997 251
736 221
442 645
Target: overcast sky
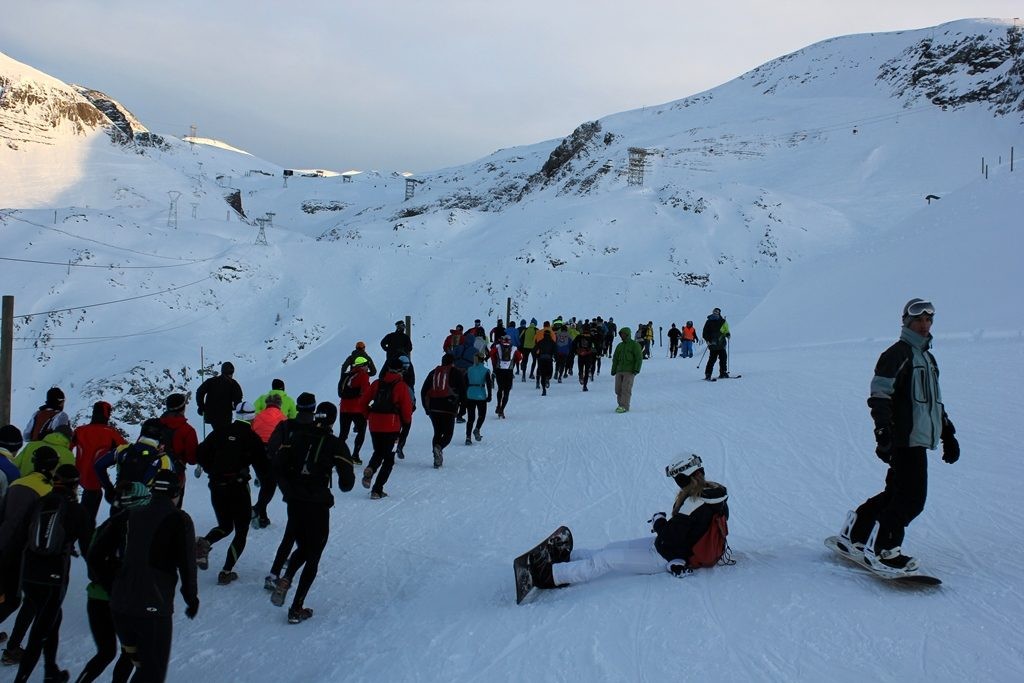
421 84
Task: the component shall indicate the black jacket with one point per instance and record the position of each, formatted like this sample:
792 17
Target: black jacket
396 344
302 455
216 399
227 453
347 365
159 543
678 534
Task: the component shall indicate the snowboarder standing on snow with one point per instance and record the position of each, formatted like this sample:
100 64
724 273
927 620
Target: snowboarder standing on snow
626 363
715 334
910 419
692 536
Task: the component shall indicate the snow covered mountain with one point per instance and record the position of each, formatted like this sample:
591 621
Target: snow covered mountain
794 197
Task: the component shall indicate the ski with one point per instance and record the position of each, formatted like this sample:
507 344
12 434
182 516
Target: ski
715 379
833 544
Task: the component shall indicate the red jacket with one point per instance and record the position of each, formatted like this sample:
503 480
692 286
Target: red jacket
184 442
88 442
382 423
361 381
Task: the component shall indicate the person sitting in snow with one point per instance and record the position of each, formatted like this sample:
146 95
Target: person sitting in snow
692 536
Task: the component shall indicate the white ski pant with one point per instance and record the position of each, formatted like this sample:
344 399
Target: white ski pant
637 556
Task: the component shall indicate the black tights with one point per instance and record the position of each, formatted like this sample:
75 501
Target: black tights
101 623
311 523
231 504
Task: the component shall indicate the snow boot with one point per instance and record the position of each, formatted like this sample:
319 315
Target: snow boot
226 577
57 676
367 477
477 435
281 587
297 615
377 495
723 375
12 655
890 561
400 453
270 582
438 457
469 441
620 409
202 553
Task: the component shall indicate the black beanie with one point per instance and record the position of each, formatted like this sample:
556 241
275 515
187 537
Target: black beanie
227 369
11 439
176 402
277 384
54 397
306 402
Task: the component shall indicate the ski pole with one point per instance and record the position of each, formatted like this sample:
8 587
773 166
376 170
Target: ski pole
699 360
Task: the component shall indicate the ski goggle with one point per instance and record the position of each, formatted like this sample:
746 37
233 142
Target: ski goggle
920 308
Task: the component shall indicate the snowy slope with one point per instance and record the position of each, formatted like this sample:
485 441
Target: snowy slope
759 197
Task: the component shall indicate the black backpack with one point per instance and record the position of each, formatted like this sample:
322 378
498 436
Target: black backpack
137 461
46 533
384 400
347 390
300 451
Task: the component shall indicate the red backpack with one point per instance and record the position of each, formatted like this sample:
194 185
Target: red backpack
440 386
712 545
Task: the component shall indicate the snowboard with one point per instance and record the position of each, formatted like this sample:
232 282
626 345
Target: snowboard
558 546
715 379
832 543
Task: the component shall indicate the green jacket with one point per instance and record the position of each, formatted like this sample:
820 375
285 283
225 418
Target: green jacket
287 403
54 440
628 355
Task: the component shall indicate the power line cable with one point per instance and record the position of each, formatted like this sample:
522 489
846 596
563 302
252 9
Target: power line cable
110 266
116 301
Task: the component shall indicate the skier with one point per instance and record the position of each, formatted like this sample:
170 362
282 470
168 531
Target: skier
217 397
388 408
679 544
673 340
226 455
505 358
910 419
352 388
626 363
48 417
263 425
89 442
396 343
715 334
57 522
159 547
440 396
304 470
479 386
689 334
359 352
277 389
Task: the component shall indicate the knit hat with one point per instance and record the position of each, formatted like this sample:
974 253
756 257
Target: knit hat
166 482
227 368
683 469
54 397
306 402
152 429
245 412
176 403
65 476
44 459
101 412
399 323
326 414
132 494
11 439
277 384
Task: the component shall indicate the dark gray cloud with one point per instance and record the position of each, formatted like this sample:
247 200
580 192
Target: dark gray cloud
419 85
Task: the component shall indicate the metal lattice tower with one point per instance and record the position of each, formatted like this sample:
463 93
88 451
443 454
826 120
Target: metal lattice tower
410 188
172 212
637 165
261 238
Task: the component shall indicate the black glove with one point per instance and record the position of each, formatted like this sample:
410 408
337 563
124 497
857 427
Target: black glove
109 494
883 444
192 610
655 519
678 568
950 446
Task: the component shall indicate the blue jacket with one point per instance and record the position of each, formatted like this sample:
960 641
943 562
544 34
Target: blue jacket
464 352
513 334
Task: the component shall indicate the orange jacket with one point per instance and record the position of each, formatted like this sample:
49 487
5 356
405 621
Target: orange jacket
266 420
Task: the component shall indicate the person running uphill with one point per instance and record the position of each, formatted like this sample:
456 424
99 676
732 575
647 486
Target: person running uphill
388 408
479 386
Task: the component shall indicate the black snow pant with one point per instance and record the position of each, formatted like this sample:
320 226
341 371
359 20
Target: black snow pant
101 623
673 347
505 379
44 600
147 640
403 436
906 487
232 505
723 362
312 525
444 428
383 459
358 421
476 409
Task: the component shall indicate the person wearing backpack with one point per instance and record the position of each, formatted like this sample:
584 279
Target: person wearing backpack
479 386
57 522
159 548
180 440
217 396
505 357
18 504
139 461
48 417
716 335
263 425
563 350
409 377
89 442
359 352
287 403
528 337
388 408
692 536
308 454
545 351
352 389
226 456
584 348
440 397
130 495
59 440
